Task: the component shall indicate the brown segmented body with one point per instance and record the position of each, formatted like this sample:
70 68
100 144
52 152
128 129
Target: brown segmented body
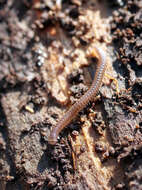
80 104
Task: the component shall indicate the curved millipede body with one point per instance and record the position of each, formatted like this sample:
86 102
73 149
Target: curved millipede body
80 104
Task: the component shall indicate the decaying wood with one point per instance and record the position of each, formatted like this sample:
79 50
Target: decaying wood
45 66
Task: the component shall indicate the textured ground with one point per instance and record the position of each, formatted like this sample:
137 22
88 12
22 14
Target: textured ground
46 64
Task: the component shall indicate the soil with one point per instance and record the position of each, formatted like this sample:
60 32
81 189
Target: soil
46 64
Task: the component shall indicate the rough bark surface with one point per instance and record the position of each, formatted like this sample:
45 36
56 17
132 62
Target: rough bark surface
46 63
